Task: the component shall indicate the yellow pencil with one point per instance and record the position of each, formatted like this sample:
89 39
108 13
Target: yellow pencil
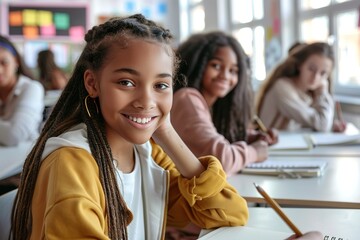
278 210
260 124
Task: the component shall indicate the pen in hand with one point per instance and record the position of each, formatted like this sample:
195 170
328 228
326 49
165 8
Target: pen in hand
278 210
260 124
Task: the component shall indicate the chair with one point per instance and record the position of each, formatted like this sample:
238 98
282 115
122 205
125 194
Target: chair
6 203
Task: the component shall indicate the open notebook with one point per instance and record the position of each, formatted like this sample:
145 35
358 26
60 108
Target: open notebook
288 168
308 140
244 232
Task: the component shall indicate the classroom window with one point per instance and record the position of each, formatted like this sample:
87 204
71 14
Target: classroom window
248 27
348 49
197 16
315 29
337 22
314 4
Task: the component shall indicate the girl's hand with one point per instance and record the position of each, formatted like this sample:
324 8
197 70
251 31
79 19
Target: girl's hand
274 136
339 126
163 127
313 235
271 137
321 87
261 148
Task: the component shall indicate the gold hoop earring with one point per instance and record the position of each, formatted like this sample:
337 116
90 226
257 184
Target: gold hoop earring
87 108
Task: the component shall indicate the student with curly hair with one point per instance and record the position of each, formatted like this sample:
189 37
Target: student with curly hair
213 112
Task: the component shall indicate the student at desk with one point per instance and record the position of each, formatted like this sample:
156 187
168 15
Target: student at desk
101 170
297 93
213 112
50 74
21 98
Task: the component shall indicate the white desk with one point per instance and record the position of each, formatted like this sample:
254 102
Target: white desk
12 159
337 188
330 151
264 223
338 223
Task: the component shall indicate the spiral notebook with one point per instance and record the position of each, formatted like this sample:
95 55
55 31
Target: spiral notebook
288 168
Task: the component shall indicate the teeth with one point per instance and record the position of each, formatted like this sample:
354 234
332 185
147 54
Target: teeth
139 120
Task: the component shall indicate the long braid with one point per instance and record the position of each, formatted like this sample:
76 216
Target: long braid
70 110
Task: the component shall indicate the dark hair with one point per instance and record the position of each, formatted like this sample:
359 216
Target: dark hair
47 66
70 110
232 113
23 68
290 67
296 46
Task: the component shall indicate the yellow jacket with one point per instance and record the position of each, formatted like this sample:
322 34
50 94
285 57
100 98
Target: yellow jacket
69 201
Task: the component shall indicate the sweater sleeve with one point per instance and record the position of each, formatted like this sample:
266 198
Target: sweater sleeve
191 118
318 116
208 201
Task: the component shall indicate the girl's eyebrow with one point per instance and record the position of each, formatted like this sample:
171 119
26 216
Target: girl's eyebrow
136 73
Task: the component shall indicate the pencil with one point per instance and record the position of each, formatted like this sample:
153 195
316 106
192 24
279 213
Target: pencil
278 210
260 124
339 112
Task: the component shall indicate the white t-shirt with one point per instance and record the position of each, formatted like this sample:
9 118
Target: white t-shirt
132 184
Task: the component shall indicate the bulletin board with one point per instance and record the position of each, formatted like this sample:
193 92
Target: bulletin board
45 21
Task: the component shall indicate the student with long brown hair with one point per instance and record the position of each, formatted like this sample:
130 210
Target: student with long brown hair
297 94
50 74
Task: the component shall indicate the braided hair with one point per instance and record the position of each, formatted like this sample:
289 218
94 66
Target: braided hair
70 110
232 113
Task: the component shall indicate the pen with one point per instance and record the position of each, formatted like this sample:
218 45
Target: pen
339 112
278 210
260 124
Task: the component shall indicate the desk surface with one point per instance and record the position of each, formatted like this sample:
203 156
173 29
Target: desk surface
12 159
337 188
337 223
319 151
264 223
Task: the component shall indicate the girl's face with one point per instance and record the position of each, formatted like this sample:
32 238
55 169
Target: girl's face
220 75
8 68
314 72
134 89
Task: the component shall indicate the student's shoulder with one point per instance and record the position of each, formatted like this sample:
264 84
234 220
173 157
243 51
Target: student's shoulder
283 85
70 156
30 84
189 94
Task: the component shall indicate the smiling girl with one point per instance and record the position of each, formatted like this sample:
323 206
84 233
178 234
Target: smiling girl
212 113
108 163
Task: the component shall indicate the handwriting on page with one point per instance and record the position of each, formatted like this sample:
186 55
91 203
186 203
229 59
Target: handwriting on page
333 238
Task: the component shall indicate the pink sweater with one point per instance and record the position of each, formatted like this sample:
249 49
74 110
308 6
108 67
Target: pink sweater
191 118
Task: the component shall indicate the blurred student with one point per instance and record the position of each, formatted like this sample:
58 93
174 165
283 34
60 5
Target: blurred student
213 112
296 94
120 171
21 98
51 76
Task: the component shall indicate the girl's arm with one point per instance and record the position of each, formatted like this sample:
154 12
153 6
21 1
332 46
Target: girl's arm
318 116
185 161
191 118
